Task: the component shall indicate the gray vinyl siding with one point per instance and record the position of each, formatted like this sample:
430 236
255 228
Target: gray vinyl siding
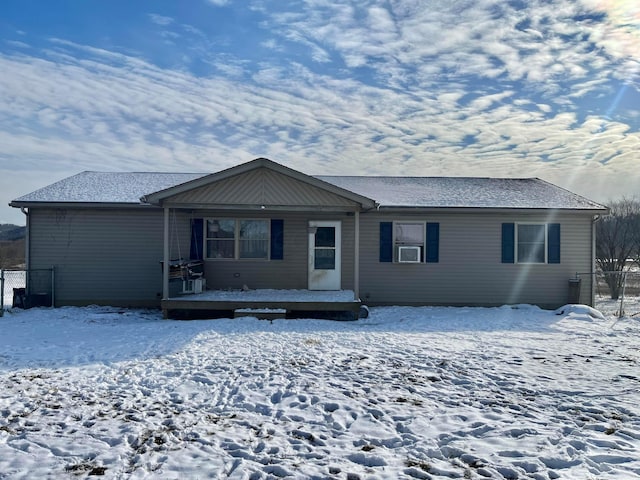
469 271
101 256
113 257
288 273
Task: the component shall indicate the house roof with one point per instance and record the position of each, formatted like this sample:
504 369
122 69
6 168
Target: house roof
105 188
463 192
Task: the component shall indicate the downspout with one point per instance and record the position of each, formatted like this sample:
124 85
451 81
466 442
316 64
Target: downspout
356 256
27 243
594 220
165 256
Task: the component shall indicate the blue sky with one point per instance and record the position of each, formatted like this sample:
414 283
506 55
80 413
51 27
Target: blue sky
507 88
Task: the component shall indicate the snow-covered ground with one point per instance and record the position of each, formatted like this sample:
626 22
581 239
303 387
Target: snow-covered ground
407 393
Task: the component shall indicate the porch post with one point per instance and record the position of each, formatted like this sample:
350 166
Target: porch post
165 256
356 255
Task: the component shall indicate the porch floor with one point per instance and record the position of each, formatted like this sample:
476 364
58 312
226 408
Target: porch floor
340 304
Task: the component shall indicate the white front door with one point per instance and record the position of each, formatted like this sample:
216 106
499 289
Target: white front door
324 255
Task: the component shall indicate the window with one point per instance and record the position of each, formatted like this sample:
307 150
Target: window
325 248
221 235
232 239
408 240
254 238
531 243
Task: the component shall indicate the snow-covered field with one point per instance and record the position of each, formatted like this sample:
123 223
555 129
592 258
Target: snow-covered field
407 393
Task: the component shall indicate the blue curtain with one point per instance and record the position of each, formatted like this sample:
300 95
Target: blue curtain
197 243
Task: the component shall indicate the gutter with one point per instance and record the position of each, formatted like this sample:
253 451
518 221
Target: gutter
408 209
23 204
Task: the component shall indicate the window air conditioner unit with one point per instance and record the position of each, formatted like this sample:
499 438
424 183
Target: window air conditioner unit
409 254
194 285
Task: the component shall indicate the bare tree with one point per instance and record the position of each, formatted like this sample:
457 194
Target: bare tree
618 242
12 254
635 253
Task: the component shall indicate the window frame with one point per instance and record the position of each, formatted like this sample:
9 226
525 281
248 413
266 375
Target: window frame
545 243
396 245
236 239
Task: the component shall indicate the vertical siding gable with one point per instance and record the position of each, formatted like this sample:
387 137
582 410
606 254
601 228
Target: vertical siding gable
260 187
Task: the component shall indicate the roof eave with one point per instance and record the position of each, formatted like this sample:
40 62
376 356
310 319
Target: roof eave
35 204
469 209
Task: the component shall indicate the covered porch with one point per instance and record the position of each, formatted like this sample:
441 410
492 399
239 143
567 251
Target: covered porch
260 236
264 303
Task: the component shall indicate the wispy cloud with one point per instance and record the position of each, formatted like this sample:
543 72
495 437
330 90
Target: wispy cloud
160 19
400 87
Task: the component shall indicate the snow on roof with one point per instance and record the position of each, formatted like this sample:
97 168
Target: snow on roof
107 187
462 192
119 187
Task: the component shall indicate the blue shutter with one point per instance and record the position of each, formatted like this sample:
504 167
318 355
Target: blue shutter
433 242
386 241
553 243
197 243
277 239
508 242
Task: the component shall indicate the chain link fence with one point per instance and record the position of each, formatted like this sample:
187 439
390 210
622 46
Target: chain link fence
26 289
616 293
